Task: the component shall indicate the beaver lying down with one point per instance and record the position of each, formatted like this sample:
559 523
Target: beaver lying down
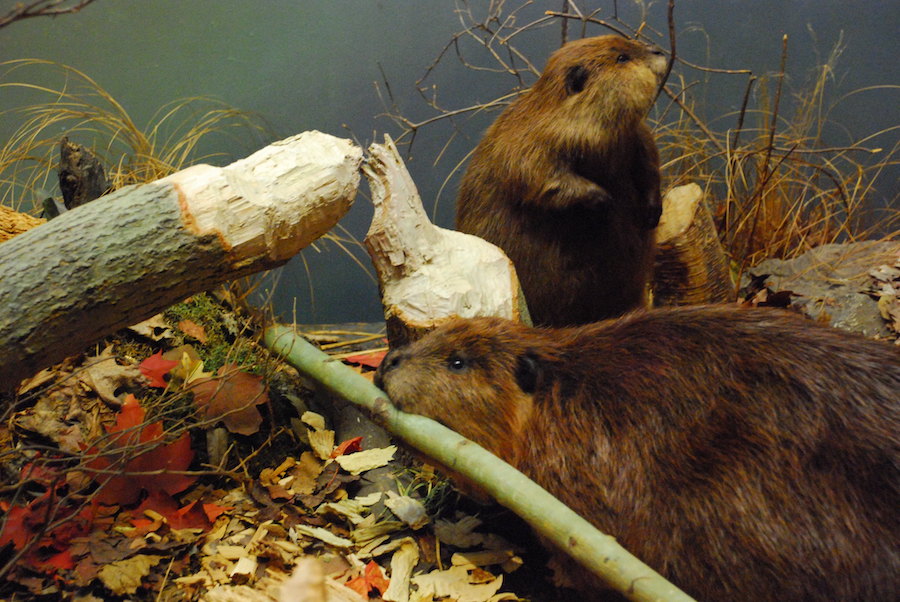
745 454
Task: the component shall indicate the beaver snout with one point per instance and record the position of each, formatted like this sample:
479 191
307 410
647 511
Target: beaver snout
392 360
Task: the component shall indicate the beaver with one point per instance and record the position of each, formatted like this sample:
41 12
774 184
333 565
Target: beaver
566 182
745 454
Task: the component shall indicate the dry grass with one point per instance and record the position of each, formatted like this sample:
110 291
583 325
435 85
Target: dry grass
77 106
776 188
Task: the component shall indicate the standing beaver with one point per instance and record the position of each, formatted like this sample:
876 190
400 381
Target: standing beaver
566 182
745 454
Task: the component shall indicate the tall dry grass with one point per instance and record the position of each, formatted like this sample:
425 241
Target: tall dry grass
776 187
75 105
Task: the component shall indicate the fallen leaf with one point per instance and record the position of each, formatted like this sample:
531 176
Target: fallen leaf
154 368
232 397
456 583
212 511
372 359
125 576
192 329
324 535
129 434
348 446
410 510
372 578
322 443
366 460
154 328
105 377
403 562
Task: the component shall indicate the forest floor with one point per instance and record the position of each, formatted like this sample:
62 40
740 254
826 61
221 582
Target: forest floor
180 459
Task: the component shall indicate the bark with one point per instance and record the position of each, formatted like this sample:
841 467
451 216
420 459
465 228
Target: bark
426 273
82 177
596 551
691 266
122 258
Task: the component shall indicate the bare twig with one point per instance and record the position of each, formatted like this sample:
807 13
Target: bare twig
41 8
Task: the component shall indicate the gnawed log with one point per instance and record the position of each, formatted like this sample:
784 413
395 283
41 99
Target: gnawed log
124 257
426 273
691 266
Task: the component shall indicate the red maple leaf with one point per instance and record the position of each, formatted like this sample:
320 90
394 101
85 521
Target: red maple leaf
155 367
126 468
373 578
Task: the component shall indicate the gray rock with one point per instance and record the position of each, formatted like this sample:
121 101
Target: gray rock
831 281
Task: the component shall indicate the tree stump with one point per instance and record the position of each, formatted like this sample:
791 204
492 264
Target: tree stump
428 274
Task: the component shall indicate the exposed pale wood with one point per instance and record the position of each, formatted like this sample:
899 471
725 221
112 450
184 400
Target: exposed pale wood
12 223
125 256
426 273
691 266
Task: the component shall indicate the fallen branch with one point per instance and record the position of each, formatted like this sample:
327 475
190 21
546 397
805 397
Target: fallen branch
125 256
596 551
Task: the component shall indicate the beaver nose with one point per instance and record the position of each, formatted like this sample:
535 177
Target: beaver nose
393 359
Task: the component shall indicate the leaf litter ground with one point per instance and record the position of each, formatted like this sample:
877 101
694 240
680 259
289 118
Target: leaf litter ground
181 461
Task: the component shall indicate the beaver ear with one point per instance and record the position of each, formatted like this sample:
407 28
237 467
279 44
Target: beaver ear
528 370
576 78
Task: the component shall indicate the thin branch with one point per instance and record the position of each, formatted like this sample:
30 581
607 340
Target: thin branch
41 8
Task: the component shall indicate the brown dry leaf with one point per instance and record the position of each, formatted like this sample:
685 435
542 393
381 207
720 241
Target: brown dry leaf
44 376
306 584
104 376
193 330
305 474
232 397
403 562
47 418
125 576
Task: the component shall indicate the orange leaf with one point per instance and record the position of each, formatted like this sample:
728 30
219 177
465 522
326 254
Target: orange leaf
155 367
214 511
192 329
232 397
371 359
372 578
347 447
375 577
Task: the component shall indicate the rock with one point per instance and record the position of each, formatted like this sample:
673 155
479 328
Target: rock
832 284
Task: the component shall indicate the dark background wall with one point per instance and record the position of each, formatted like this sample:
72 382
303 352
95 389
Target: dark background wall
314 64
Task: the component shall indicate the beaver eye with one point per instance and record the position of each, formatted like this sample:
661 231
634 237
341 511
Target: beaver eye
623 58
457 364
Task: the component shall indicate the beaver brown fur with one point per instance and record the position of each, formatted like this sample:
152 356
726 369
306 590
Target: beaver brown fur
566 182
745 454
